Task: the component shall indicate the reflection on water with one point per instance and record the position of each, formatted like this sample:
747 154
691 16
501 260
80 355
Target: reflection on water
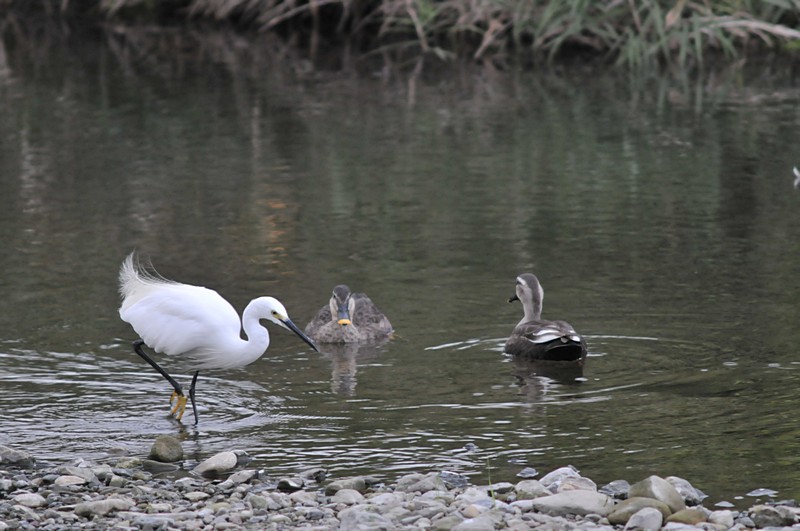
664 231
345 359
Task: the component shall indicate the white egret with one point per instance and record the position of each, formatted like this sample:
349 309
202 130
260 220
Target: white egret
349 318
194 324
538 339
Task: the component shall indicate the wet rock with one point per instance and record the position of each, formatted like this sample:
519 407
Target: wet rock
529 489
158 467
347 497
617 489
128 462
357 483
758 493
290 484
13 457
221 463
646 519
103 507
32 500
772 516
242 476
688 516
659 489
577 502
166 449
421 482
623 511
314 474
454 480
527 473
690 494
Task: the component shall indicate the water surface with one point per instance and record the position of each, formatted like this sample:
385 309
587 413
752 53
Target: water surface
661 222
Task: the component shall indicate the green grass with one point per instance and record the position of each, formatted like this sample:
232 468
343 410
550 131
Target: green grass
633 33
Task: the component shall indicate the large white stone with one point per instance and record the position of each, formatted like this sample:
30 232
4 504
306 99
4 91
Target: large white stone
220 463
30 500
658 489
578 502
647 519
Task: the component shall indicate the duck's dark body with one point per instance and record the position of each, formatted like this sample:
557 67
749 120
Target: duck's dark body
538 339
349 318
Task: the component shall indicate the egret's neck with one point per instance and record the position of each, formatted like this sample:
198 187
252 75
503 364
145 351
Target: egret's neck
257 335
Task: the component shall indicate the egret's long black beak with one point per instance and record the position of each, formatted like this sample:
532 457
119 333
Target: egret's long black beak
514 298
343 315
293 327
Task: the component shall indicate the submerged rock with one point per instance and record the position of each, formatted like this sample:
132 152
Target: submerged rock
13 457
527 473
166 449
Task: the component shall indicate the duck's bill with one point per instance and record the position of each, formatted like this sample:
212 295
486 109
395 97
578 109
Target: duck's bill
293 327
512 299
343 315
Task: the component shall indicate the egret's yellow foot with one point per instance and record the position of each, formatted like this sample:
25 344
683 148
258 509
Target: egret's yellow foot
179 407
173 396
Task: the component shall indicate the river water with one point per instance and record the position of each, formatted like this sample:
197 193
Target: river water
660 217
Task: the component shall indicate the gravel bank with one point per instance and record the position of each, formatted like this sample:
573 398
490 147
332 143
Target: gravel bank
224 493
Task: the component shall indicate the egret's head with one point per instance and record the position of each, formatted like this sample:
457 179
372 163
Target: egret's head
276 312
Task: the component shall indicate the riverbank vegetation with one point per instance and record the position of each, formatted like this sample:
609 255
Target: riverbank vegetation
642 33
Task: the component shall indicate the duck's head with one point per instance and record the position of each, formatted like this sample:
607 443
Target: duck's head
341 305
530 293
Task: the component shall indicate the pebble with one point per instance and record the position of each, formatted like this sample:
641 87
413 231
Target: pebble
109 496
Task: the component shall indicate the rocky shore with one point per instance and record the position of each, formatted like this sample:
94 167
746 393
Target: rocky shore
223 492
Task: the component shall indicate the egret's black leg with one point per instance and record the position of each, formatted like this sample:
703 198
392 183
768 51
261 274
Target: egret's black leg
191 394
137 346
181 404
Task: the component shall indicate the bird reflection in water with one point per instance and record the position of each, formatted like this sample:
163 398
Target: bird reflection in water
344 363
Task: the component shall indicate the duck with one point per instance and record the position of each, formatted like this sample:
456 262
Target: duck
349 318
539 339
